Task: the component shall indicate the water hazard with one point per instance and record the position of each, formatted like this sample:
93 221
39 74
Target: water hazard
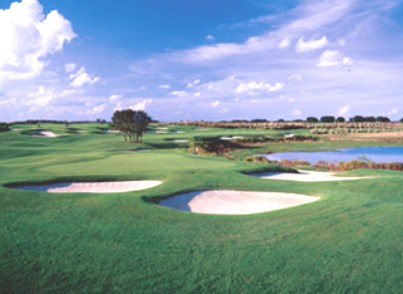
375 154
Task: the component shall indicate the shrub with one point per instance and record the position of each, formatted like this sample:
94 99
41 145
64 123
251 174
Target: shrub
4 127
210 145
256 158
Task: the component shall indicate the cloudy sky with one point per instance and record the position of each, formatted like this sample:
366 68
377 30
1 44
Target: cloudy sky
200 59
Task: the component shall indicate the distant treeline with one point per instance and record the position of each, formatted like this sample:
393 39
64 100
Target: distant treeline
313 119
288 125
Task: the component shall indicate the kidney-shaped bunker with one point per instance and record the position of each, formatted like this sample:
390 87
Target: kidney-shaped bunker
235 202
91 187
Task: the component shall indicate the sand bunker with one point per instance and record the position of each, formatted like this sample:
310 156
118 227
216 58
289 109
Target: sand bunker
232 138
47 134
178 140
92 187
235 202
306 176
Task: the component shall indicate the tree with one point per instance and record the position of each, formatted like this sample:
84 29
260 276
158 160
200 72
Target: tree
312 119
4 127
357 118
370 119
258 120
382 119
131 123
340 119
327 119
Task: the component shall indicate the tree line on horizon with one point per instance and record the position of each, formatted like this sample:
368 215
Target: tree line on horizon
309 119
322 119
132 124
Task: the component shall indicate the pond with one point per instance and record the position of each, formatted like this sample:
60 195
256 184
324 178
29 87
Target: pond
375 154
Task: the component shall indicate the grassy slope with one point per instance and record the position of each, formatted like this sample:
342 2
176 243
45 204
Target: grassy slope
351 241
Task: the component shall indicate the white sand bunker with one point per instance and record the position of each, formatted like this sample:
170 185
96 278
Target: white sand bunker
47 134
232 138
178 140
307 176
235 202
92 187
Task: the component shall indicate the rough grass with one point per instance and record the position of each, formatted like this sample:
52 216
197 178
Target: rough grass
351 241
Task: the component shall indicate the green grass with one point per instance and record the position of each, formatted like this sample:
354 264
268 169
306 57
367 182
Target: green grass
351 241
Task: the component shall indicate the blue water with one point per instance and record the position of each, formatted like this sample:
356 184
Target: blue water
375 154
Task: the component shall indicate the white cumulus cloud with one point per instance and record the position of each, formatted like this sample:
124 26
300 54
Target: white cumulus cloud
215 103
141 105
165 86
97 109
210 38
41 97
115 97
284 43
81 78
331 58
254 88
343 111
296 112
193 83
179 94
70 67
311 45
28 36
393 111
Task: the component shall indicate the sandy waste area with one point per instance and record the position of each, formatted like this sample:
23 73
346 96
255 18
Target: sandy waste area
92 187
235 202
307 176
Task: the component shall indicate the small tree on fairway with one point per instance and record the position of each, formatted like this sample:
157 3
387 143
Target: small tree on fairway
131 123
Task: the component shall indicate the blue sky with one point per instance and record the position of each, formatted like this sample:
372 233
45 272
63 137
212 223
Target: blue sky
192 60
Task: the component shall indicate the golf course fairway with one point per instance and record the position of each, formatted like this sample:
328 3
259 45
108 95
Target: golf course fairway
349 241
